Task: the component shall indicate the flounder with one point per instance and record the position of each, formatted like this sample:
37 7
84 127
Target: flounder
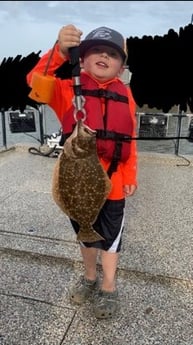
80 185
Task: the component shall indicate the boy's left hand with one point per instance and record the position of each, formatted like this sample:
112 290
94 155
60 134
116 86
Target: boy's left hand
129 190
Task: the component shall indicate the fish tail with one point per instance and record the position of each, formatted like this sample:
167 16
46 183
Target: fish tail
89 235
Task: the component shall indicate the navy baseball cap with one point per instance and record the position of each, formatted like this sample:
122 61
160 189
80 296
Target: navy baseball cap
104 36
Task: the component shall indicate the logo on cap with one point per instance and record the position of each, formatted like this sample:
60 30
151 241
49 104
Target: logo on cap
102 33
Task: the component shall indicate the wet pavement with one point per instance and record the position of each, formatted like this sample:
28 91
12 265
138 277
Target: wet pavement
40 258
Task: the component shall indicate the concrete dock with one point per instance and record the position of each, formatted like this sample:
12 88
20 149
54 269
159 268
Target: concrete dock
40 258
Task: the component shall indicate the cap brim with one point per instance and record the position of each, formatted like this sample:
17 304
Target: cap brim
87 44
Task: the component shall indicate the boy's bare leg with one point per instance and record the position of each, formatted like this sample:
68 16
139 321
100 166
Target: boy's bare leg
106 302
85 287
109 263
90 259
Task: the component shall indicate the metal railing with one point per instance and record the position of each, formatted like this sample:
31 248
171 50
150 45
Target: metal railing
151 126
18 125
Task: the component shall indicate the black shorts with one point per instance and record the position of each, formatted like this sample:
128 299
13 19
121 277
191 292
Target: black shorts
109 224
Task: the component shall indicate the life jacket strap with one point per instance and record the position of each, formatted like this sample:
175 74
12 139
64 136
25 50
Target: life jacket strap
102 93
118 138
104 134
116 158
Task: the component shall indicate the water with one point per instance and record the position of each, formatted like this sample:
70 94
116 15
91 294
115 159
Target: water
51 125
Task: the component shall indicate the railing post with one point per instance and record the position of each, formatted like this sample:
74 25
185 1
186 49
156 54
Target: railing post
3 127
179 126
41 125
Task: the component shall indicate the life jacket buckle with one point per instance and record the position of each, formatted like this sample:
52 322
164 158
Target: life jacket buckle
101 93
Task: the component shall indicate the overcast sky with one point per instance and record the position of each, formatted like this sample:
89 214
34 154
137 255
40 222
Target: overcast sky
31 26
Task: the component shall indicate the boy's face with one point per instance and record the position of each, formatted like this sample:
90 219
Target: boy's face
103 63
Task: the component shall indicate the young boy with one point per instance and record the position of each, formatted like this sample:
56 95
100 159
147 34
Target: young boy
111 111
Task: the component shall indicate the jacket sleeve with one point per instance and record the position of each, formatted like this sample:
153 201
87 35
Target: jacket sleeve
62 96
129 168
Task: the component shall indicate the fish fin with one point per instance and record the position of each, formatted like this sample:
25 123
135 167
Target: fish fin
89 236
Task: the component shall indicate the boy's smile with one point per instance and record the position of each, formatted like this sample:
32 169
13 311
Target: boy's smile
102 64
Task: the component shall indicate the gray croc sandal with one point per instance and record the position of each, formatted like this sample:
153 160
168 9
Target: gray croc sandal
105 304
83 290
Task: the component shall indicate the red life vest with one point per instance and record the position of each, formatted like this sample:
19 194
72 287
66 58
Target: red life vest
114 128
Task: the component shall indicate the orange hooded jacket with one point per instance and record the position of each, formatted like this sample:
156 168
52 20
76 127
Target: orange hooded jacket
126 173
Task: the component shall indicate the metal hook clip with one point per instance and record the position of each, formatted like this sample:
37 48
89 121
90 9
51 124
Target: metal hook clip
78 102
83 111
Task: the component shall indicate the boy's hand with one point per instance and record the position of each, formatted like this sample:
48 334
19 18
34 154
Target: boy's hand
69 36
129 190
